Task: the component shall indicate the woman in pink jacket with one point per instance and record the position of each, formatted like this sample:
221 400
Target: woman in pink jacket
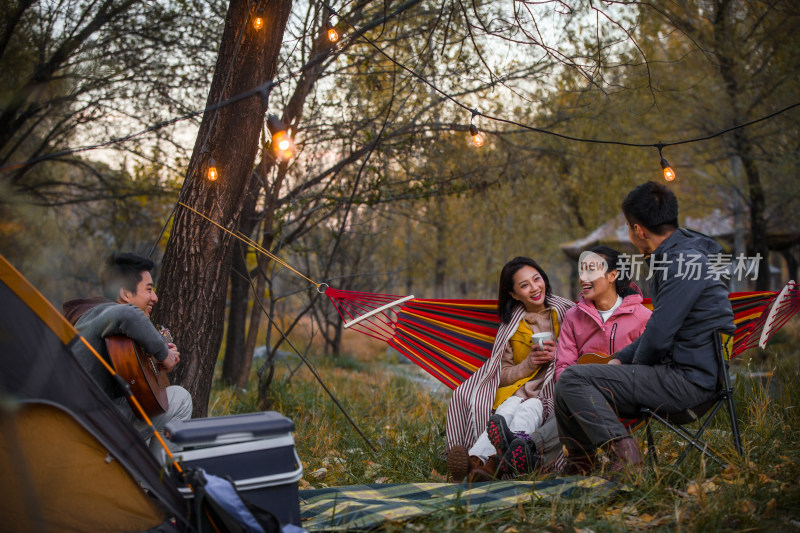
609 314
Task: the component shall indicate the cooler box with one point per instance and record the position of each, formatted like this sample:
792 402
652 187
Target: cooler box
256 450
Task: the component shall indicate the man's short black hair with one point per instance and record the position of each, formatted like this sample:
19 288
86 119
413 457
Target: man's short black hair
653 206
123 271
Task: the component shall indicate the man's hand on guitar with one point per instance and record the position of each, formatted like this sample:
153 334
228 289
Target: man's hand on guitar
172 359
615 361
540 356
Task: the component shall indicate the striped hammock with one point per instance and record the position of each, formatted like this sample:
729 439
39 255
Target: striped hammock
451 339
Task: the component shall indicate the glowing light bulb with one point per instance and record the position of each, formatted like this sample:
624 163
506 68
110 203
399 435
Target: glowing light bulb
333 35
258 22
282 145
477 137
212 170
669 174
281 142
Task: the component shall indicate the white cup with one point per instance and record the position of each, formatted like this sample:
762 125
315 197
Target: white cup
539 338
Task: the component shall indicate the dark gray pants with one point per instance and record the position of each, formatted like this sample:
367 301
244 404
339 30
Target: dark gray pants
547 443
590 399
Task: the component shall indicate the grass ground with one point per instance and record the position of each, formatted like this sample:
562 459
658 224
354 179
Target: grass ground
404 421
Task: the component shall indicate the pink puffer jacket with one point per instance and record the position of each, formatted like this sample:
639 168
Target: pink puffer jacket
583 331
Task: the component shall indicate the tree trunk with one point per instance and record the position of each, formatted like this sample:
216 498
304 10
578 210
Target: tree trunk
440 253
758 223
196 266
234 370
791 263
729 69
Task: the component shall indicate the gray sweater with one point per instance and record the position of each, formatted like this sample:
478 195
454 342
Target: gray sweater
111 318
687 308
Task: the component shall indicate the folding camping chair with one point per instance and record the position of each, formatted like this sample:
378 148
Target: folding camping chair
703 413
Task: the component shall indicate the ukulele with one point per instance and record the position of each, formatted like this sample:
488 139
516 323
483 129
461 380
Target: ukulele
142 372
594 358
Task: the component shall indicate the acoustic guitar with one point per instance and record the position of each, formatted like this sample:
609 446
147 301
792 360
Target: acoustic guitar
594 358
142 371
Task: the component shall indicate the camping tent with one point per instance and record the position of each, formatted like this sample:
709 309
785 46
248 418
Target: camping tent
68 460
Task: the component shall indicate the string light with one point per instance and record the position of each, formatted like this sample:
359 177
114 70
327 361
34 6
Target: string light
281 141
669 174
212 173
258 19
477 136
333 35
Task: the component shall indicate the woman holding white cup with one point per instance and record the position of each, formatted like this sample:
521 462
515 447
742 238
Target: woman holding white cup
518 376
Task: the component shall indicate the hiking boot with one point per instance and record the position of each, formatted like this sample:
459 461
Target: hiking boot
458 463
622 453
521 457
499 434
485 472
579 463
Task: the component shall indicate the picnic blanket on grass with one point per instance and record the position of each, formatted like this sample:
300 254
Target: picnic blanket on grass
366 506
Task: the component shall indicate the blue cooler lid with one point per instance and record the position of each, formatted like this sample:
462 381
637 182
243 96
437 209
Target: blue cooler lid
233 428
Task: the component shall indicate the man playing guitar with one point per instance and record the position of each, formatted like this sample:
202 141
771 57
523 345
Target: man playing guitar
125 310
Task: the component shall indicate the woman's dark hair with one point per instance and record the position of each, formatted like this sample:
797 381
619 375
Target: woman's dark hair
623 282
505 303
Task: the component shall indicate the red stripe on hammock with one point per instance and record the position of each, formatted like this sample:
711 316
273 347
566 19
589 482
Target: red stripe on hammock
433 354
467 356
469 326
435 371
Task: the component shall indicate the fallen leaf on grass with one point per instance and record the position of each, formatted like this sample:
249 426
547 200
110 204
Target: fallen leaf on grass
647 521
629 510
319 474
770 509
747 507
696 489
438 477
763 479
382 480
304 485
372 469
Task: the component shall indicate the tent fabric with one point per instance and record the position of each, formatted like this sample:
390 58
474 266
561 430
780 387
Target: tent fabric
38 366
366 506
451 339
57 478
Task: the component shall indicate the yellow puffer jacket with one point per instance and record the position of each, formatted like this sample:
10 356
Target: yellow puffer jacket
521 342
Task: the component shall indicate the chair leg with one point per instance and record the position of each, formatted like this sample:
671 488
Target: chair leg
693 440
737 437
651 447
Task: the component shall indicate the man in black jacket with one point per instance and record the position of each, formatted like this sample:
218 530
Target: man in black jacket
672 366
125 310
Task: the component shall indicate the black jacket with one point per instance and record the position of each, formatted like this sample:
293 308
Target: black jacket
687 308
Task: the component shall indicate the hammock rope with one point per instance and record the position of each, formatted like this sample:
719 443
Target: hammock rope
258 248
451 339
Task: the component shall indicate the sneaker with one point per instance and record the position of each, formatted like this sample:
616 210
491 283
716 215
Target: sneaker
499 434
521 457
